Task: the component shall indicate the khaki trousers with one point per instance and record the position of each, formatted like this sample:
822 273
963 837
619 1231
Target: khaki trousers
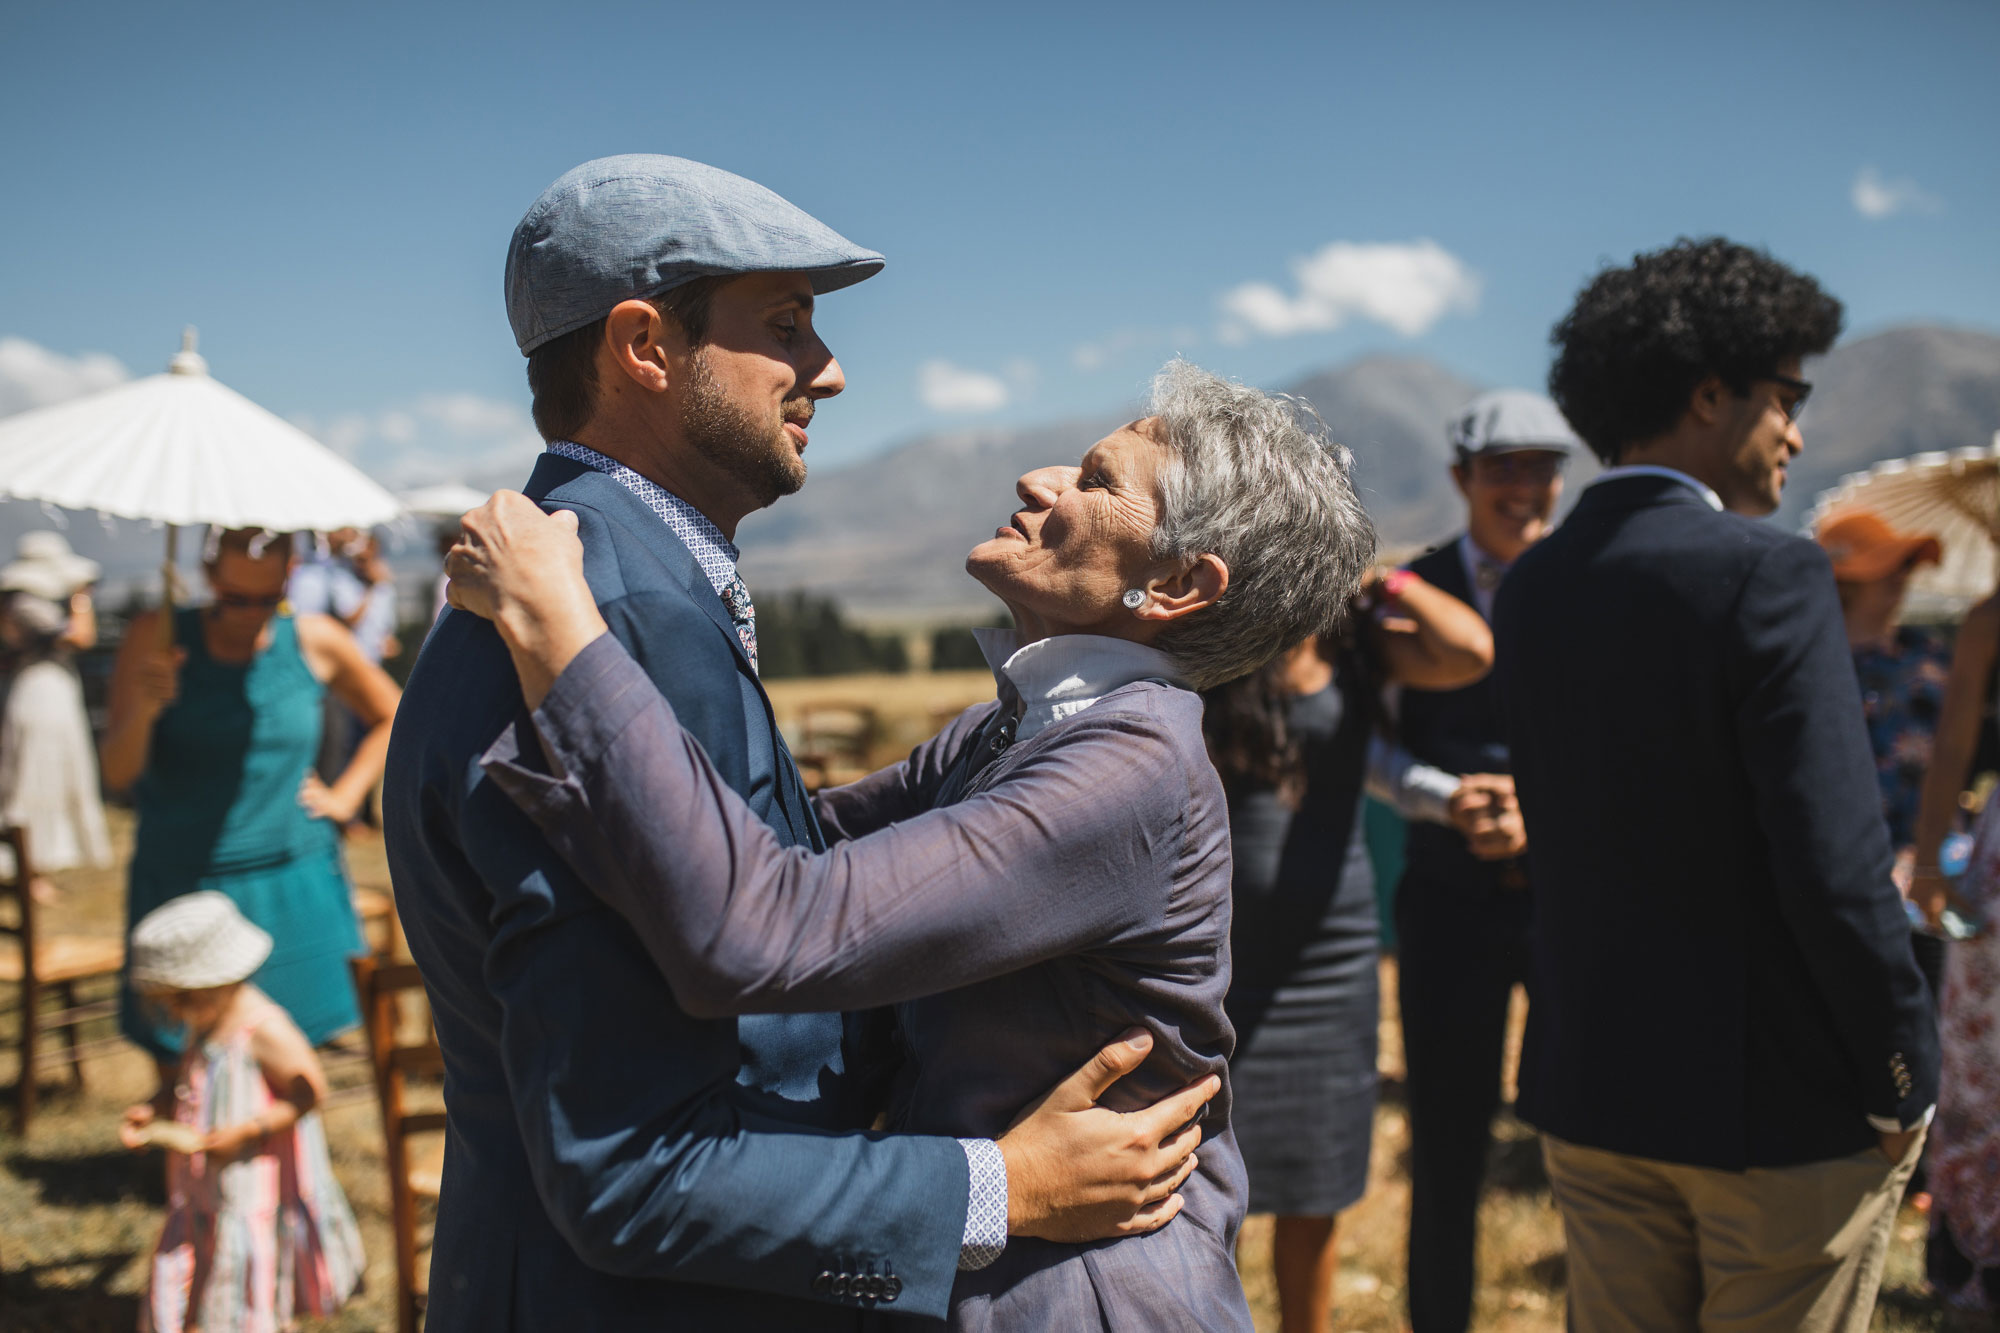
1660 1248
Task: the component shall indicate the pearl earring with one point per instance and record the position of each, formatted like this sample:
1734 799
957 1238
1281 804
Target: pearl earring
1134 598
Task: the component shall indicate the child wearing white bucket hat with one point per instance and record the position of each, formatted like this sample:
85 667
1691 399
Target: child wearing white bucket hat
253 1208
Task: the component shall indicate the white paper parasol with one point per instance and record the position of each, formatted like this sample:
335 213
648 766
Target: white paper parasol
1954 497
180 448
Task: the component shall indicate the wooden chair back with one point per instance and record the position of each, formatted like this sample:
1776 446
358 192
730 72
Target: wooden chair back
350 1072
42 964
836 741
395 1055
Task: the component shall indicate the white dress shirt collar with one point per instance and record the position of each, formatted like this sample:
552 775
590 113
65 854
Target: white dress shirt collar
1060 676
1701 488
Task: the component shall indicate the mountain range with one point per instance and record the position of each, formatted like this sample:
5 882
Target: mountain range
888 536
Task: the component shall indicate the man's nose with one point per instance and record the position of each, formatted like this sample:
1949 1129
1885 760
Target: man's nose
1041 488
829 379
828 382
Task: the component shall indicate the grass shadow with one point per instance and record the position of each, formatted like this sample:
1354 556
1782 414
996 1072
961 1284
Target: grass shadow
93 1178
1909 1304
47 1298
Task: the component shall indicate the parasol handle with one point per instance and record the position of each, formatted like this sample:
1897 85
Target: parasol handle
168 571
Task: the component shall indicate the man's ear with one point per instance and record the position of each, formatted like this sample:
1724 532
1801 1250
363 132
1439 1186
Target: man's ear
641 345
1710 401
1175 595
1461 477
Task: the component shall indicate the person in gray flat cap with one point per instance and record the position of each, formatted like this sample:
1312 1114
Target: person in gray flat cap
1463 910
614 1161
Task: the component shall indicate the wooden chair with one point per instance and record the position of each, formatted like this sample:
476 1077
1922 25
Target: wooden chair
350 1073
836 741
412 1176
43 964
376 911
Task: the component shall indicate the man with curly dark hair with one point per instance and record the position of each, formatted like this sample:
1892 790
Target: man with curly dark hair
1641 340
1730 1056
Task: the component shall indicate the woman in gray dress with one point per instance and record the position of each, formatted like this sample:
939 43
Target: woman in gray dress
1051 869
1291 741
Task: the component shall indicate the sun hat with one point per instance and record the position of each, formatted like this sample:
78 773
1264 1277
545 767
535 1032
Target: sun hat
196 941
1506 420
634 226
1863 547
44 565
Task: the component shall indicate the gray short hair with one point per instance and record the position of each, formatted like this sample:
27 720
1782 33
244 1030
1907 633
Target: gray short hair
1256 480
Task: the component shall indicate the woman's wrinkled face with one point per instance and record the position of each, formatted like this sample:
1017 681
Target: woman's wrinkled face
1082 536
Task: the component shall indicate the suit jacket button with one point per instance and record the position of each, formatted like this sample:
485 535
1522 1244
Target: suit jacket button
871 1287
892 1287
823 1283
840 1283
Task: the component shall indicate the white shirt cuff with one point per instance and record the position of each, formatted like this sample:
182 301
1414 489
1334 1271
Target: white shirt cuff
1413 790
1883 1124
985 1205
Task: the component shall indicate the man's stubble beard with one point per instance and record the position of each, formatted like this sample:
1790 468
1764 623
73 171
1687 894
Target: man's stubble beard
761 459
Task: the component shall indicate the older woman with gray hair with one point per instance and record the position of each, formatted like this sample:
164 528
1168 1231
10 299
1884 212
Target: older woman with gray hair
1054 867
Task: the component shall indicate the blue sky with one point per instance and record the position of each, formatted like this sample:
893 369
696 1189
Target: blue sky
1066 193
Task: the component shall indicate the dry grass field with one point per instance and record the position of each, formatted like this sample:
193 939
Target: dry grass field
78 1214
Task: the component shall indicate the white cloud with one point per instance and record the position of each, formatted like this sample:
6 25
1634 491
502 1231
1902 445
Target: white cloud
1875 196
438 437
1407 287
944 387
33 376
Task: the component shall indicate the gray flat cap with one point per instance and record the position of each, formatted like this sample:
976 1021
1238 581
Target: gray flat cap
631 227
1509 419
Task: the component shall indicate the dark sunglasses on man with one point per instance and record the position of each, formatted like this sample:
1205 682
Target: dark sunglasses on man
1799 389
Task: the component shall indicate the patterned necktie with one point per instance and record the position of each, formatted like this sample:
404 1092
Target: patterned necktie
736 596
1487 572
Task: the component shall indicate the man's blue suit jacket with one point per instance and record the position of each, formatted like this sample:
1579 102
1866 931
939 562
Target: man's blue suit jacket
610 1162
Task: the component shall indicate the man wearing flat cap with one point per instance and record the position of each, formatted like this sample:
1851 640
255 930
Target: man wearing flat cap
1463 907
613 1162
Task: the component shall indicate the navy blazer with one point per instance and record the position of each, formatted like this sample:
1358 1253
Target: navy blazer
1722 967
1457 730
601 1139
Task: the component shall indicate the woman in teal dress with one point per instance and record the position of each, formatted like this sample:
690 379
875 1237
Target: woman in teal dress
216 737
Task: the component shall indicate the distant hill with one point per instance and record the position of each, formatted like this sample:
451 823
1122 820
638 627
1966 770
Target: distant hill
1391 411
888 536
1905 391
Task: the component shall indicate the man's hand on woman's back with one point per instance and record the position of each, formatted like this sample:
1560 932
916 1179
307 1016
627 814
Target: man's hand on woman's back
1077 1171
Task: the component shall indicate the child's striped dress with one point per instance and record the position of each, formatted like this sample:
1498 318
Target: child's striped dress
253 1243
